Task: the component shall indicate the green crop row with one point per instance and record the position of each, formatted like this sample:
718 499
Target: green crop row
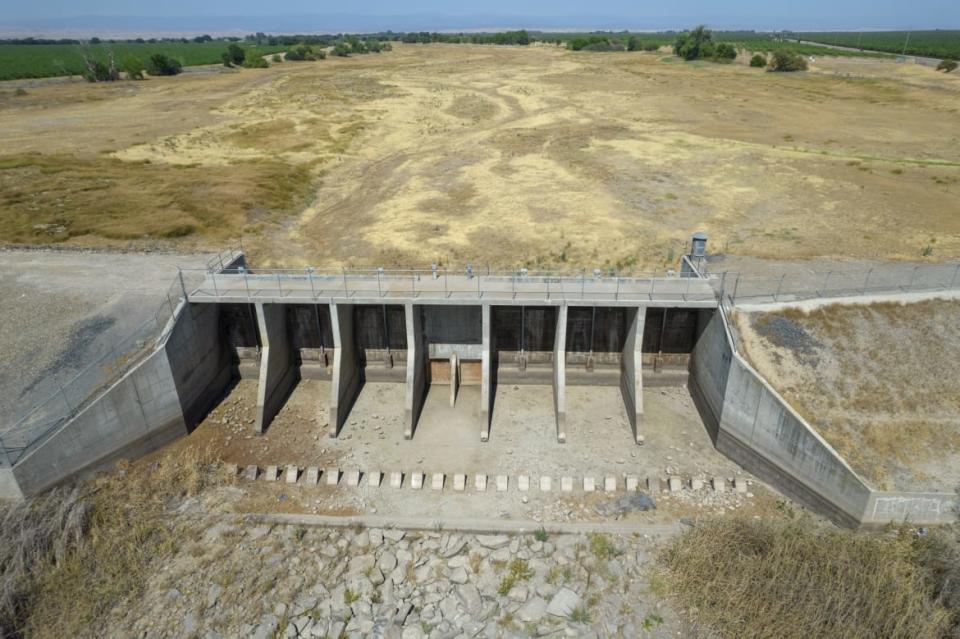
19 61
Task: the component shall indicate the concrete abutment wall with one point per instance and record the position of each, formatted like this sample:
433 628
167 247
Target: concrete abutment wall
755 427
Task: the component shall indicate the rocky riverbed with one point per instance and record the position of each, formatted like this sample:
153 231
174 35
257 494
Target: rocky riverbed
240 577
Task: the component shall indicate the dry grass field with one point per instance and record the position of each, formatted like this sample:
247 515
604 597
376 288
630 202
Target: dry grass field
873 381
492 155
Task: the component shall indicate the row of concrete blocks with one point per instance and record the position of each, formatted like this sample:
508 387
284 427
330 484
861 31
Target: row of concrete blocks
311 477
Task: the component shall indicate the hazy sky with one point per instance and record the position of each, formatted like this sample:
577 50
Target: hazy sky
761 14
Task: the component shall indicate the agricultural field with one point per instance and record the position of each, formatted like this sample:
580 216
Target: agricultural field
421 154
933 44
19 61
753 41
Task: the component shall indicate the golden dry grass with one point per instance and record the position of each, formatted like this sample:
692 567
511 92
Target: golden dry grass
536 156
877 381
783 579
128 532
57 198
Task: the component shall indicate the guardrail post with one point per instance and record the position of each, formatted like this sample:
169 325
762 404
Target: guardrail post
213 276
956 271
548 291
345 283
379 288
616 295
479 294
313 291
913 274
583 282
246 283
826 282
183 287
866 282
279 286
413 284
736 285
653 281
445 276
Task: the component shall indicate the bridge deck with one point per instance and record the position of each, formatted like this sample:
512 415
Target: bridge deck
238 286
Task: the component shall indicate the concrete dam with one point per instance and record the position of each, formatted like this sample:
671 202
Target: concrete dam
427 328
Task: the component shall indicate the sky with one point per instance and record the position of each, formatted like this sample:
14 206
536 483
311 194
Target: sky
323 15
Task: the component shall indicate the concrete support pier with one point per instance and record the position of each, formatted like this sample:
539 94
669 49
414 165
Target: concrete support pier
416 369
631 370
560 374
346 378
454 369
486 394
278 372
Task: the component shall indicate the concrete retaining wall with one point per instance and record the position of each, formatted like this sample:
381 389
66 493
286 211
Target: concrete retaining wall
138 414
156 402
755 427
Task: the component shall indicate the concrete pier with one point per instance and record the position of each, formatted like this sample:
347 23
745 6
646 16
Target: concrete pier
486 394
277 371
416 369
559 374
347 376
631 370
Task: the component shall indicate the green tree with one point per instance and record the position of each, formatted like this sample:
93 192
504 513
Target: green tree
724 52
236 53
787 60
634 44
341 49
161 64
758 60
694 45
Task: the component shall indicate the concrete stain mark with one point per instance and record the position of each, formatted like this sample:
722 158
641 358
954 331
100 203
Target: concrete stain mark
76 352
901 507
783 332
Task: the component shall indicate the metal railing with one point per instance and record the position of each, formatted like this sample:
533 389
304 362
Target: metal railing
832 283
425 284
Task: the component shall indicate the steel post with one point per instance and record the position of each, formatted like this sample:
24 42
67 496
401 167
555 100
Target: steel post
776 296
866 282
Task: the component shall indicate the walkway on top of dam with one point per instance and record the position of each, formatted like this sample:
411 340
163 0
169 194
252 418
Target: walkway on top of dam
371 286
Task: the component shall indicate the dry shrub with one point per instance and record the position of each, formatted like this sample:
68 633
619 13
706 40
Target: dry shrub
35 536
70 556
785 579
